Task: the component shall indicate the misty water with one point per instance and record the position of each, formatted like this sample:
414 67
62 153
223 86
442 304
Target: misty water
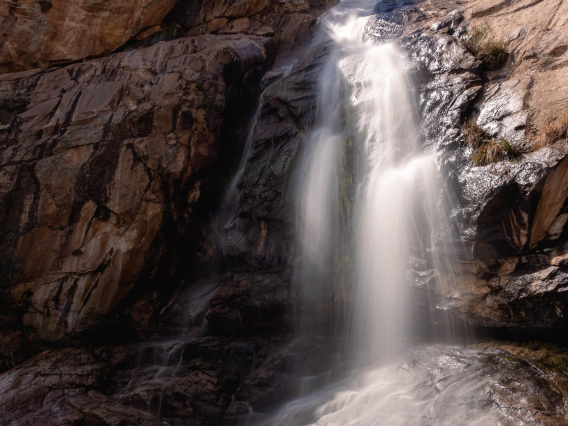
369 200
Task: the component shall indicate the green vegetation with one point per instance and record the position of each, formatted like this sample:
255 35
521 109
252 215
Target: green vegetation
14 102
487 150
492 53
541 354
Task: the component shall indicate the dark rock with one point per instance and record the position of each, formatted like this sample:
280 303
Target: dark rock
110 176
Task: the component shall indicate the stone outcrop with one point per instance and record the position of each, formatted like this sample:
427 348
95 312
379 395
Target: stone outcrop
530 91
292 22
512 214
110 171
126 385
41 33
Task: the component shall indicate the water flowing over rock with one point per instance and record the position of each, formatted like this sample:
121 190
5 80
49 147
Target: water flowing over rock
430 386
123 217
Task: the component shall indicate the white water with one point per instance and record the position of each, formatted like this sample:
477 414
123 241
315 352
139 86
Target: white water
366 102
394 210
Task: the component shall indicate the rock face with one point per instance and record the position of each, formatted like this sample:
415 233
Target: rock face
259 240
126 385
289 21
510 215
111 162
40 33
111 171
530 92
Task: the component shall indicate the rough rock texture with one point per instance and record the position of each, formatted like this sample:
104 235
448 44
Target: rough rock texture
292 22
531 90
40 33
512 215
126 385
107 176
259 240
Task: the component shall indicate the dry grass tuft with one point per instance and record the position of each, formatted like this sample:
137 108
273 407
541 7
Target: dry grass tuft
474 135
488 150
492 53
555 131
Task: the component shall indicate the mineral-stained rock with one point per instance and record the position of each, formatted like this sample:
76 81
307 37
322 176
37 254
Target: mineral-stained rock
39 33
110 159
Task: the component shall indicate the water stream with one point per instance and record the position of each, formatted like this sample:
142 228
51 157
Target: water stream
364 215
369 201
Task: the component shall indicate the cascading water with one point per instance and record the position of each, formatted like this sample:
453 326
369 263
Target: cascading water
366 105
373 210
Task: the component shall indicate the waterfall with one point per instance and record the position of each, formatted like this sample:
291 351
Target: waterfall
392 209
370 207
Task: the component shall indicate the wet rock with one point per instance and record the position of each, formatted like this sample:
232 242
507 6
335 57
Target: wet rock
509 215
427 384
143 384
259 240
62 388
112 162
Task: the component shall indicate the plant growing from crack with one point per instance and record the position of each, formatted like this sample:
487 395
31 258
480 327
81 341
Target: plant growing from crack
484 47
487 150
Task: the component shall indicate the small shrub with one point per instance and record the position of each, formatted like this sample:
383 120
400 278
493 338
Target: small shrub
474 135
492 53
488 150
14 102
509 150
473 39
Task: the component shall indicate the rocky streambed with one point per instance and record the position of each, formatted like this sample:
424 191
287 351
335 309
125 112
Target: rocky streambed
113 168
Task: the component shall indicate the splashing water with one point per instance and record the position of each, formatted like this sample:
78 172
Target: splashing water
388 210
369 201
